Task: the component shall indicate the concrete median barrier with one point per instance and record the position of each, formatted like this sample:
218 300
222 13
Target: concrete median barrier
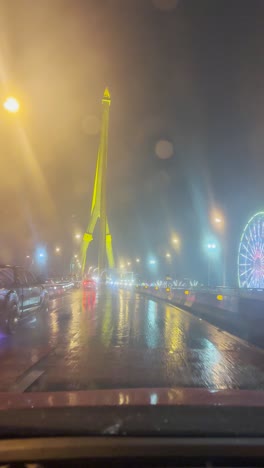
235 311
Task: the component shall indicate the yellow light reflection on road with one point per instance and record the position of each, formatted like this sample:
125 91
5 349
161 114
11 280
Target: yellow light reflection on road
107 328
54 323
173 332
122 335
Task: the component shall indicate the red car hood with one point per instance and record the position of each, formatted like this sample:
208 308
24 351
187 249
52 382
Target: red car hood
133 397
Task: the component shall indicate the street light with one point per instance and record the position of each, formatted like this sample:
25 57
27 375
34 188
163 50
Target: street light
138 260
168 255
218 221
75 256
152 262
11 104
77 236
28 256
128 263
57 250
211 246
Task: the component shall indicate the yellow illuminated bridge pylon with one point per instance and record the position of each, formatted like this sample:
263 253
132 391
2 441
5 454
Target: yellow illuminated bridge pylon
98 209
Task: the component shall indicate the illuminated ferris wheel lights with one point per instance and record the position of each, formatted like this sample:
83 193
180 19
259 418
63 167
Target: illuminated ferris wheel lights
251 253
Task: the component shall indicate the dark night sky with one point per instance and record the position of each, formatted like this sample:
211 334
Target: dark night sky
192 74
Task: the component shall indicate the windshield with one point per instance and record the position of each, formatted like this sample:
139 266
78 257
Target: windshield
132 213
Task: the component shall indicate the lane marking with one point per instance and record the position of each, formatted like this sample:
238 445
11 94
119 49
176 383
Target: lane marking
26 381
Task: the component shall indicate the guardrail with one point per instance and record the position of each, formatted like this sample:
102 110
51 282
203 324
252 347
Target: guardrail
240 312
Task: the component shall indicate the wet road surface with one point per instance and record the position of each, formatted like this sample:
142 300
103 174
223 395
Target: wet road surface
118 339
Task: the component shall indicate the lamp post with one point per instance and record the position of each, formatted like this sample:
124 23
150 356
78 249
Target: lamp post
218 222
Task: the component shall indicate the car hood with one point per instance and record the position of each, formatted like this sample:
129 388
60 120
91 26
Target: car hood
133 397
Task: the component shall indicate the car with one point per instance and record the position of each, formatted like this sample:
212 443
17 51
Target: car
21 293
89 284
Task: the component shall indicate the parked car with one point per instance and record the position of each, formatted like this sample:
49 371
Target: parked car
20 293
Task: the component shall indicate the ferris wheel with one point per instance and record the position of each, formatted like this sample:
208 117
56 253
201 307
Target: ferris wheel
251 254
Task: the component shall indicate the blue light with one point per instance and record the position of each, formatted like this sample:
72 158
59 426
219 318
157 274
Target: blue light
41 256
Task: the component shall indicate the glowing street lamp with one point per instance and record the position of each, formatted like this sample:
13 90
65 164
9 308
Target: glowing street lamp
128 263
152 262
211 246
41 257
28 256
58 249
217 219
168 255
219 223
138 260
176 242
75 256
11 104
78 236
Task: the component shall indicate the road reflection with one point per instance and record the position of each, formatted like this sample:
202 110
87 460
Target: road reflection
152 327
174 332
107 322
118 339
89 300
